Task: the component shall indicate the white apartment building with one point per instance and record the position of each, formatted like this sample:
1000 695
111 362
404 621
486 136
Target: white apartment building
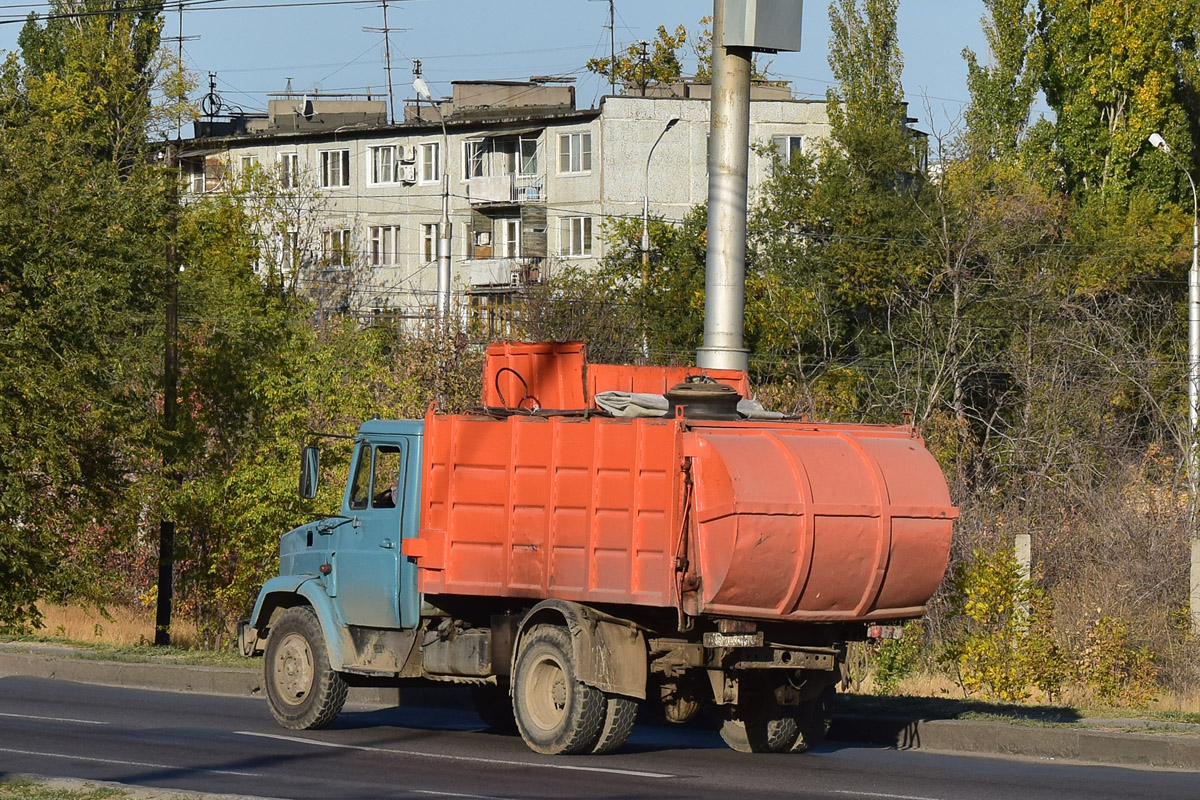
532 182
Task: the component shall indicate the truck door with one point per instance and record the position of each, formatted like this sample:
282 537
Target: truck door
367 558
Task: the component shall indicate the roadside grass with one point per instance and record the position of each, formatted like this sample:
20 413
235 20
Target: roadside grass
24 787
119 634
119 625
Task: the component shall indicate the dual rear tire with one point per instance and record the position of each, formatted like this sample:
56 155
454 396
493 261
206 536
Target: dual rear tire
555 713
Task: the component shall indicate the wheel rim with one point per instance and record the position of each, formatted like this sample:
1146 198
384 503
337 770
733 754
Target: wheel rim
294 669
547 692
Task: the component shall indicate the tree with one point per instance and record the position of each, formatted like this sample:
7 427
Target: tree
1002 91
643 63
81 209
1114 72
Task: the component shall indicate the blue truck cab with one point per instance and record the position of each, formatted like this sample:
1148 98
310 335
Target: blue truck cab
346 571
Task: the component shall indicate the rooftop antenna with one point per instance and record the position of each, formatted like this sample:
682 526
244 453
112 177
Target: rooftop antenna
612 49
387 58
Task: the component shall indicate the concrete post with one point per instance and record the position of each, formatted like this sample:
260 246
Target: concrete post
1023 551
728 162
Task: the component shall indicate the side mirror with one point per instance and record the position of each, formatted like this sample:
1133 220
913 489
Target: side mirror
310 471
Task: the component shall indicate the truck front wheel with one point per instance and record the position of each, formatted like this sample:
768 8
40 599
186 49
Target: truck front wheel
303 692
555 712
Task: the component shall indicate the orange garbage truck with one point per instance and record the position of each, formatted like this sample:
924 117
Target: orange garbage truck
597 537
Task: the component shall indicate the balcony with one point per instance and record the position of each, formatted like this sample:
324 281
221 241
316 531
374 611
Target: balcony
507 190
498 272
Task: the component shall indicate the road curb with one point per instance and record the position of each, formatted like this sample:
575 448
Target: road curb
1117 748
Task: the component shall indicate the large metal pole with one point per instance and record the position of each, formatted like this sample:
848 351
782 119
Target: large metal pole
728 161
444 232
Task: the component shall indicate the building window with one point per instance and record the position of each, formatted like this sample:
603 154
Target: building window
574 152
336 246
431 162
289 173
788 147
494 312
510 237
198 182
290 254
383 164
575 236
529 156
429 238
385 245
475 158
248 163
335 168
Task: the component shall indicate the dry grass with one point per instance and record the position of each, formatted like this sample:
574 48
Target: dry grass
943 687
117 626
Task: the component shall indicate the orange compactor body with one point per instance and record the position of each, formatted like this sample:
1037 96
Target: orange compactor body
536 496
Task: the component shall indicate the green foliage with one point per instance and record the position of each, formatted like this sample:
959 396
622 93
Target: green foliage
896 659
80 268
1002 647
660 63
1116 670
1113 74
1001 91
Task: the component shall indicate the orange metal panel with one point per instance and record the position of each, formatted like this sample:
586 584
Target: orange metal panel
534 375
787 521
549 507
655 380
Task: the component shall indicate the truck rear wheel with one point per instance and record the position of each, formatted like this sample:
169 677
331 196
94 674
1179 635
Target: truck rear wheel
303 692
619 715
757 723
812 721
554 711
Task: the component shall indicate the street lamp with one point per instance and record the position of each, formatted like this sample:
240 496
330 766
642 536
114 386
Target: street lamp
1157 140
671 122
444 232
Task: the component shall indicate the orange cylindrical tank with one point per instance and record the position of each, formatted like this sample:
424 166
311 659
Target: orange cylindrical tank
816 522
763 520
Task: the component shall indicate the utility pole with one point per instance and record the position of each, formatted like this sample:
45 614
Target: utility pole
643 64
763 25
728 163
166 528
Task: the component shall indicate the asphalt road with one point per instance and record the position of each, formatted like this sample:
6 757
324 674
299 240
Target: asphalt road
231 745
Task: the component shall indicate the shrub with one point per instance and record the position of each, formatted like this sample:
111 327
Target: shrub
1000 645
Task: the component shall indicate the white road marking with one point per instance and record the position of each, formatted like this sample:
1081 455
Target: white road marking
419 754
881 795
69 757
55 719
458 794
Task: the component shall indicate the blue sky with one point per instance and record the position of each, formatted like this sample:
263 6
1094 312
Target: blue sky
255 50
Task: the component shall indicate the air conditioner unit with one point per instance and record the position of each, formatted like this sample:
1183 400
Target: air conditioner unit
408 173
483 238
408 153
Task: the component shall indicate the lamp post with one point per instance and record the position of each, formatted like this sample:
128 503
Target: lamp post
1193 373
444 231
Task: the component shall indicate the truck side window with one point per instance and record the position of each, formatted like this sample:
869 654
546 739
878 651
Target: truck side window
386 487
361 485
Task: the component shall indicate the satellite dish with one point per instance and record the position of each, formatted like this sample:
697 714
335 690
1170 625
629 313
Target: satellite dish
306 109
